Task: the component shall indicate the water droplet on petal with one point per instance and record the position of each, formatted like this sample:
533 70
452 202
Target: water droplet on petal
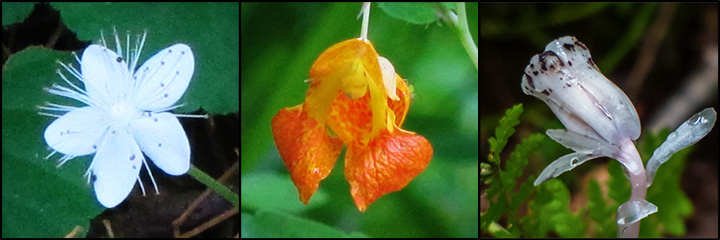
574 161
697 119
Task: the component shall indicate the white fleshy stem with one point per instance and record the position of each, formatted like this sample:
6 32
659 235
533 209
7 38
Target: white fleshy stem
636 208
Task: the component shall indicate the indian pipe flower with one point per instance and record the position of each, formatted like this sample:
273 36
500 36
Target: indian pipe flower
357 99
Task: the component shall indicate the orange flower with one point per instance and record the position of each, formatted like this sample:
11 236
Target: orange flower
355 98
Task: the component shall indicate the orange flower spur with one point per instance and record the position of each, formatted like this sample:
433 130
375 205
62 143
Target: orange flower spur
357 99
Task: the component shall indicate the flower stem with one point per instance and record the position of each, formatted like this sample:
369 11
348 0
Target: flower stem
638 183
210 182
460 25
366 20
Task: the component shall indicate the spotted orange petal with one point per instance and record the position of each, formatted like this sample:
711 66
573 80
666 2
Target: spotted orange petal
386 165
305 147
400 108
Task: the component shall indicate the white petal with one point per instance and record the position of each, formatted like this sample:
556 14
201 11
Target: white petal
563 164
594 146
163 78
571 121
582 143
690 132
163 140
76 133
105 74
632 211
116 166
389 79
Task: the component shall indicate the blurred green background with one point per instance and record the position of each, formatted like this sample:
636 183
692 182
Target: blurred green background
279 43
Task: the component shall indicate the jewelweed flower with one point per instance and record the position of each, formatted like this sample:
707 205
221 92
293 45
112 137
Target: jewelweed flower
357 99
601 122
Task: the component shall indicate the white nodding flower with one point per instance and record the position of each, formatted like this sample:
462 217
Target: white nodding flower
590 106
566 78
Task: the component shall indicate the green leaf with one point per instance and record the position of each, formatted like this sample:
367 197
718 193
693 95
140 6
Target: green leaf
552 199
494 213
413 12
504 131
34 188
596 203
270 224
486 173
498 230
284 196
600 212
618 185
505 186
214 85
525 190
519 157
508 202
514 231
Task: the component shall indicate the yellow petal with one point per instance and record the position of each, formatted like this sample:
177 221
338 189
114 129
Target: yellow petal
350 68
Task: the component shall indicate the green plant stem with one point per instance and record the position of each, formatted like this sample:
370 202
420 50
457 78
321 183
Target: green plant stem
460 24
210 182
514 219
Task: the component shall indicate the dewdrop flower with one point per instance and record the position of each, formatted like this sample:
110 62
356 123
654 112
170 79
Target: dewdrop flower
126 115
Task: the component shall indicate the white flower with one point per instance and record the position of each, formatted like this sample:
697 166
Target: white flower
126 116
601 121
596 112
